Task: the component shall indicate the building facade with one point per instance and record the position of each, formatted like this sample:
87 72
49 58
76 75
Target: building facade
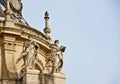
27 56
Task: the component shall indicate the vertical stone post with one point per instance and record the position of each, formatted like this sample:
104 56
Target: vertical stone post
7 55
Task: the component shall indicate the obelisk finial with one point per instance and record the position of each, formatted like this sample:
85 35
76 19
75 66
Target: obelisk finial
47 29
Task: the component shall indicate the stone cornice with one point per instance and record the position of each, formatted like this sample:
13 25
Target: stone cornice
24 31
24 27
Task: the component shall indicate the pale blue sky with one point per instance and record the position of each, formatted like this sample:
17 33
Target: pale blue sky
91 31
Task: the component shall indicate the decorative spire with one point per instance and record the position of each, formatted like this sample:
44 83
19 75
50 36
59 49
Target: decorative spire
47 29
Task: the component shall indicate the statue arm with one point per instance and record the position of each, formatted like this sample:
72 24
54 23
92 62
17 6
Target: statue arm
62 48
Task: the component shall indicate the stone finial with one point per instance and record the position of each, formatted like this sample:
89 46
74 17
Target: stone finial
13 11
47 29
8 12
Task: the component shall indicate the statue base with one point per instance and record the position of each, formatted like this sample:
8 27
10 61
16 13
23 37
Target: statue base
31 77
55 78
35 77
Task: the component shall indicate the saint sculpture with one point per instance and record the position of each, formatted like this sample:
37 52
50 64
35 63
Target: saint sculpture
57 57
29 54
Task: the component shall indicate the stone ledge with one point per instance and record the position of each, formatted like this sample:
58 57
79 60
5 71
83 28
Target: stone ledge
56 75
35 72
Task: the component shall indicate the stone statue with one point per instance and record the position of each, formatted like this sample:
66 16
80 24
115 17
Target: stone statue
57 56
29 54
16 9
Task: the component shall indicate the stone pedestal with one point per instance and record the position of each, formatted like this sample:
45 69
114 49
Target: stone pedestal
55 78
31 77
59 78
35 77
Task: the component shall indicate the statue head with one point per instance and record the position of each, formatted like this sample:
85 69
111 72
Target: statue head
56 42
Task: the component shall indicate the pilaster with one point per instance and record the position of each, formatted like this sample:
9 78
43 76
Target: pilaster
8 50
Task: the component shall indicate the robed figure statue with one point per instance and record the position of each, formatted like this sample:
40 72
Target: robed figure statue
29 54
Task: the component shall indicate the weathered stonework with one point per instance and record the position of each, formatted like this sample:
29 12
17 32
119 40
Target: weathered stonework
34 77
46 68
